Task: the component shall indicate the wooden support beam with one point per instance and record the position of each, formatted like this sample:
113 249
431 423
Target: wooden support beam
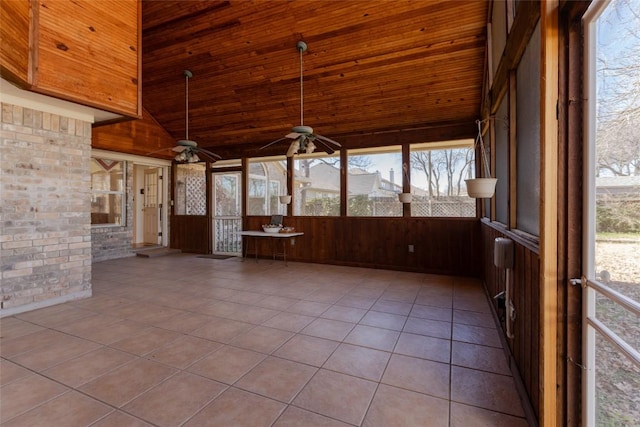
513 150
406 178
344 177
548 211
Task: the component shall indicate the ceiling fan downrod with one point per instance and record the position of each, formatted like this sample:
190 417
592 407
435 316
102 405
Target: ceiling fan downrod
187 74
302 47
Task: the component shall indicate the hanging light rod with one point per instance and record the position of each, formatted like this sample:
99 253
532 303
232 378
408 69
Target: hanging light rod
303 138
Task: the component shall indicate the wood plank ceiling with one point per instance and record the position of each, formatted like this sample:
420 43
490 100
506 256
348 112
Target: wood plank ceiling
375 72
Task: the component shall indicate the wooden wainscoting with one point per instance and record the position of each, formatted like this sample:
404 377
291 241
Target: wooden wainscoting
525 346
190 233
440 245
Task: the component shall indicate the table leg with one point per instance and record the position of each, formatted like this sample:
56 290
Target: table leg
255 247
284 250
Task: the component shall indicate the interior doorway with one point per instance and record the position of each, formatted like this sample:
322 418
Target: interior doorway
149 215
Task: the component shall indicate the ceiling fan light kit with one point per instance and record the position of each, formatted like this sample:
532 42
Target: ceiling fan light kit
303 136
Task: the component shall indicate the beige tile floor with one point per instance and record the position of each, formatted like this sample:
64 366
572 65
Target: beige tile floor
182 340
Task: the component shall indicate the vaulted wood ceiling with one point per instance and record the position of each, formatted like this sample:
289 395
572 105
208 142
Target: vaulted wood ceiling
375 72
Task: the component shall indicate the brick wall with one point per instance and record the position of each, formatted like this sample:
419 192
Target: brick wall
45 225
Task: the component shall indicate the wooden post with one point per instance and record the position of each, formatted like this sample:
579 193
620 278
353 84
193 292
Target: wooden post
548 211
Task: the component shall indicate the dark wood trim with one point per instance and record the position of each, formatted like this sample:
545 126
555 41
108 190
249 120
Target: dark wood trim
226 169
344 184
531 243
209 208
570 202
290 175
513 149
245 187
492 202
406 178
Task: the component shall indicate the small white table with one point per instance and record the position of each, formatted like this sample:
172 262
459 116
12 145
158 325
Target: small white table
255 235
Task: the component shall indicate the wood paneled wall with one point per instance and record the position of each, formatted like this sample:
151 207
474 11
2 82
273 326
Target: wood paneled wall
93 59
441 245
525 346
134 137
190 233
14 36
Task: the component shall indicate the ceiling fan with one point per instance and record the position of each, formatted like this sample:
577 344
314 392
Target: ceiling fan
186 148
303 137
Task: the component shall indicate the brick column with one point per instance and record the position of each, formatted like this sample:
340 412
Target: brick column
45 205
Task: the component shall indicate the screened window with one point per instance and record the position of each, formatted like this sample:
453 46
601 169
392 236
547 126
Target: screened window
107 192
267 181
374 181
191 189
437 174
528 138
316 185
502 161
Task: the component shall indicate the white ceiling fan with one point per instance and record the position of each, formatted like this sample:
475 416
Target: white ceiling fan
304 139
186 148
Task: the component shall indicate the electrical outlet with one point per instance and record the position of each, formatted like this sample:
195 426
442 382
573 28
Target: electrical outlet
410 248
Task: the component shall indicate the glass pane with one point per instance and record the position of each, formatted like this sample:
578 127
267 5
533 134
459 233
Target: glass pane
374 181
316 185
191 189
617 197
616 168
528 138
106 209
227 221
502 161
617 385
107 175
267 181
227 200
437 181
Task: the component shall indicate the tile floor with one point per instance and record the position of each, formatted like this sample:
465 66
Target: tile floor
182 340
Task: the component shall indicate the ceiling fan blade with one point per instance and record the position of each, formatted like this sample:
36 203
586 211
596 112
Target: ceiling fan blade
325 147
272 142
158 151
324 138
208 153
293 135
179 148
209 156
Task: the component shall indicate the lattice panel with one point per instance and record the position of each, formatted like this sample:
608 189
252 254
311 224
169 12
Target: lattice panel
196 201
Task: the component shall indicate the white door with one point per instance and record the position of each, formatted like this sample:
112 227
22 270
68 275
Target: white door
227 213
151 207
611 280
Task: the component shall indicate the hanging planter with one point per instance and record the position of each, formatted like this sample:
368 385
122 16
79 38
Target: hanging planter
482 187
285 200
405 197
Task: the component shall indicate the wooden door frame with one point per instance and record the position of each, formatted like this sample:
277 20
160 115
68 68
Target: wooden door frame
571 145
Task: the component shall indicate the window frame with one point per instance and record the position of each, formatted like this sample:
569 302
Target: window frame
122 193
